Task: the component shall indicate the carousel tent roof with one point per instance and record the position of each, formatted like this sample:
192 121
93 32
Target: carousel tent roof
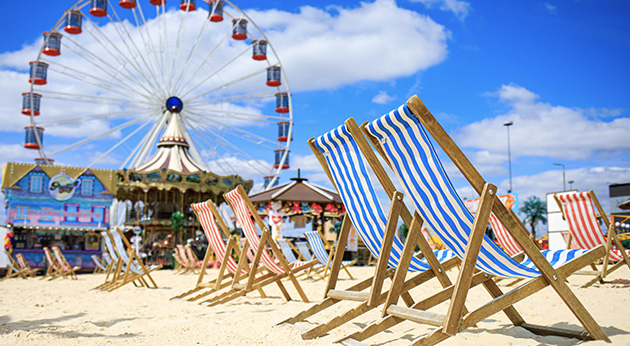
298 190
173 151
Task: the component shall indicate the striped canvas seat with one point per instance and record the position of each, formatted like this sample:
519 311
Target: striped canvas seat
580 214
304 250
286 250
418 167
350 175
213 234
557 258
579 209
319 250
244 217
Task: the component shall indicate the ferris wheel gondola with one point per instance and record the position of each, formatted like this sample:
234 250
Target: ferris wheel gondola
118 71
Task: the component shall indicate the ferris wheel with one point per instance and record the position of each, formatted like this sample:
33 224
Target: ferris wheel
110 75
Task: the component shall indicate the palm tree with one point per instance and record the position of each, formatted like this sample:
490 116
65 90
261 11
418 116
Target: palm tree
535 211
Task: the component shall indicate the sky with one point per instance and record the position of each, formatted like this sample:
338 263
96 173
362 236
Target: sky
557 69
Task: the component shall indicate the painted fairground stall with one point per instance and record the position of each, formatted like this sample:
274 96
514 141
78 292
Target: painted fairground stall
48 205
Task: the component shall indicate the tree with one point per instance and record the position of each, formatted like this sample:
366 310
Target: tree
177 221
535 211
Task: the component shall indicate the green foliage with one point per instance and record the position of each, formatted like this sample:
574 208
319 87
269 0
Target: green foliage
535 211
177 221
403 231
336 228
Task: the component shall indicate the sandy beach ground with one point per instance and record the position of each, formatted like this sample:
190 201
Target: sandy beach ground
70 312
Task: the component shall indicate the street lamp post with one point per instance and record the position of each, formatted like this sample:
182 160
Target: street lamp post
571 184
507 125
564 180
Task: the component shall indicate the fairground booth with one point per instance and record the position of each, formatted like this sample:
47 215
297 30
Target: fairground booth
61 206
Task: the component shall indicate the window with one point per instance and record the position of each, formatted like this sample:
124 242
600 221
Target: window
36 184
21 213
86 187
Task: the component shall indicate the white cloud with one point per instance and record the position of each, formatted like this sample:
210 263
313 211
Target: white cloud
550 7
459 8
322 49
382 98
545 130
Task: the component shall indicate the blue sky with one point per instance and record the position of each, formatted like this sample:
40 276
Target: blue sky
557 69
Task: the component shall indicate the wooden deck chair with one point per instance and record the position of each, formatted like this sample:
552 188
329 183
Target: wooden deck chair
65 266
53 269
99 266
25 267
13 270
307 255
132 267
277 264
180 255
400 136
215 229
114 266
194 262
578 208
319 250
340 158
180 266
289 251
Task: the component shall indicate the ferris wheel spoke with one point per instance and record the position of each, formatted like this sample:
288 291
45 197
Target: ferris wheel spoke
90 117
164 41
75 97
191 53
144 32
242 134
183 89
231 98
211 149
110 47
181 32
225 85
99 135
225 143
227 114
215 72
149 142
231 149
111 71
119 143
131 43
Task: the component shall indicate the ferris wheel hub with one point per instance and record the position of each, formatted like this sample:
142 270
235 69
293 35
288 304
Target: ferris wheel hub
174 104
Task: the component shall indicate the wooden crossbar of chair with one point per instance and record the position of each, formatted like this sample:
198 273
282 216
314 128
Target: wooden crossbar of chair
338 154
99 266
277 265
402 138
583 212
215 229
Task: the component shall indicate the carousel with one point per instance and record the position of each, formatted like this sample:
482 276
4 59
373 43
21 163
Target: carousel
156 195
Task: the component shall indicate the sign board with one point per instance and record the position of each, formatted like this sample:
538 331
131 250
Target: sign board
62 187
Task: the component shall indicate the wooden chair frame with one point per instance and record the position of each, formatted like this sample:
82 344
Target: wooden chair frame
255 281
374 296
225 277
456 318
66 268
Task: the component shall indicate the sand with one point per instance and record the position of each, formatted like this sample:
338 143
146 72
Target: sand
70 312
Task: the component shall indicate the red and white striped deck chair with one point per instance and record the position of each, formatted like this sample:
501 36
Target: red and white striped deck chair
53 270
215 228
505 239
578 208
65 266
278 266
180 255
25 267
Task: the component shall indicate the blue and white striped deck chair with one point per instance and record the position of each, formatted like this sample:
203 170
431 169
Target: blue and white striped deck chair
319 250
340 158
403 138
286 250
134 269
114 266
